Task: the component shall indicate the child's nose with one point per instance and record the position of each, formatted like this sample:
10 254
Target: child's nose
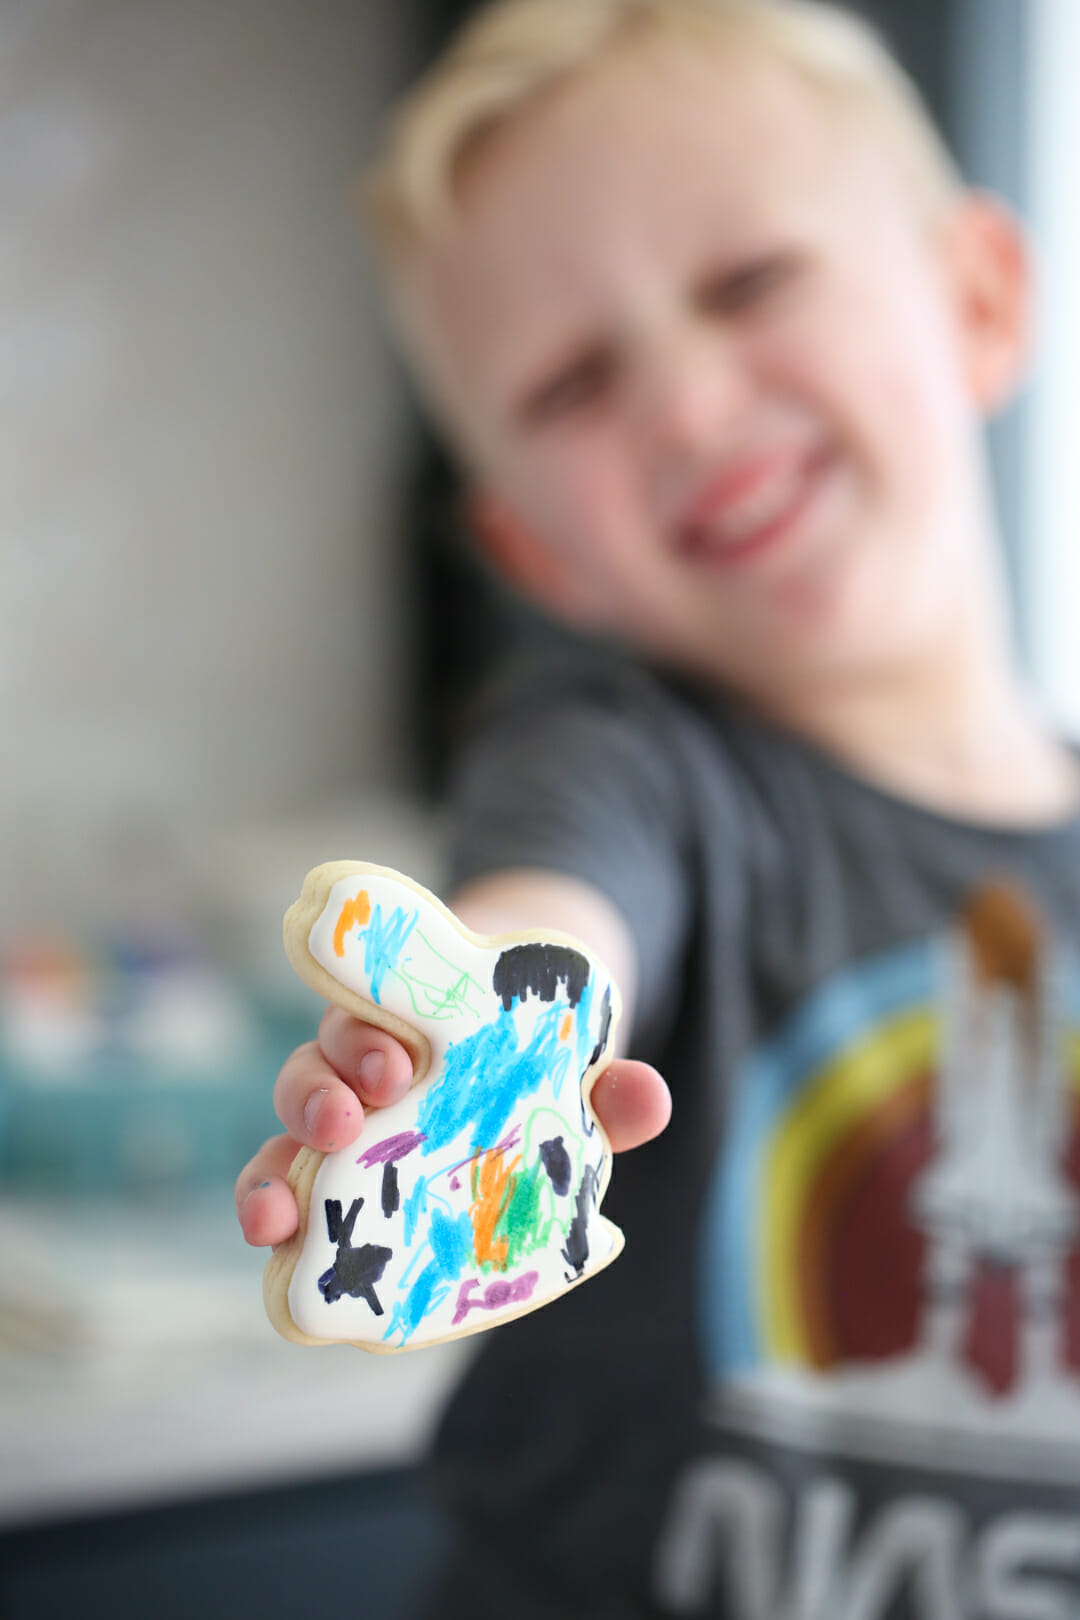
690 388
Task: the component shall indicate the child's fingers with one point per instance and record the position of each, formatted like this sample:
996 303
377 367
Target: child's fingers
321 1087
377 1067
264 1200
632 1103
314 1103
319 1097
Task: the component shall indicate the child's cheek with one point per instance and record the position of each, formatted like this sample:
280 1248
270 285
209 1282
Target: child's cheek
588 498
880 375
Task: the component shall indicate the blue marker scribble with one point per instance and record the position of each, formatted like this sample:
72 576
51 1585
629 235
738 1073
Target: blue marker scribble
451 1241
418 1254
424 1296
415 1206
486 1075
383 944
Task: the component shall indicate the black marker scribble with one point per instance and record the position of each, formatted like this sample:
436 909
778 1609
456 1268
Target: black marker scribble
540 969
576 1252
556 1162
354 1271
605 1027
391 1197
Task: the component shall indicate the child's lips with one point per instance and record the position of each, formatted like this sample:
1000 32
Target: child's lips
751 509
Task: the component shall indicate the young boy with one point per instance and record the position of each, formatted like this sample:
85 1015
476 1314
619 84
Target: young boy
713 326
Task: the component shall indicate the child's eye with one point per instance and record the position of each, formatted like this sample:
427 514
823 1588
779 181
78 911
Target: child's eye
580 383
731 292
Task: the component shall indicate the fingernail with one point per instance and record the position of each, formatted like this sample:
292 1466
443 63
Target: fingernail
372 1068
312 1109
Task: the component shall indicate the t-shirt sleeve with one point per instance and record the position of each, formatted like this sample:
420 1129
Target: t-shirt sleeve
579 776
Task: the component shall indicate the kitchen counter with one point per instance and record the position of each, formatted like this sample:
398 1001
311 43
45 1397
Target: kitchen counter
137 1367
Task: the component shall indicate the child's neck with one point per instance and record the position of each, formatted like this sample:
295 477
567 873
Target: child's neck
959 733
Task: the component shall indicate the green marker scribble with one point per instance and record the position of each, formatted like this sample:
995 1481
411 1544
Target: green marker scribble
464 977
530 1214
440 1001
527 1217
545 1123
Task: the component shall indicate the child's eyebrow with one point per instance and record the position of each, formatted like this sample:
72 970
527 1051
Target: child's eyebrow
582 365
732 284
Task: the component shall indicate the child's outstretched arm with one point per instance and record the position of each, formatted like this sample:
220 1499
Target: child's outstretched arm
324 1087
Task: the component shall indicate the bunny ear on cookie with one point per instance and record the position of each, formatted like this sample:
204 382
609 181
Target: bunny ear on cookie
476 1197
330 979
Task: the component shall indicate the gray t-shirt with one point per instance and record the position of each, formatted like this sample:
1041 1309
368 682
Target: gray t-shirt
836 1373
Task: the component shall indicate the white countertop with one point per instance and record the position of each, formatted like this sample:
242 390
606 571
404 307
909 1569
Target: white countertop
137 1367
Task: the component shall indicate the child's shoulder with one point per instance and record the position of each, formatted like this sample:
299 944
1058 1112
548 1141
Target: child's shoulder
633 751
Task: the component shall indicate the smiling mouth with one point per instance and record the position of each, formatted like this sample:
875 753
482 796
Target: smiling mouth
745 514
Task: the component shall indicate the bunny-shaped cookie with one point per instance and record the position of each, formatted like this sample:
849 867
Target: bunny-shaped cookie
476 1197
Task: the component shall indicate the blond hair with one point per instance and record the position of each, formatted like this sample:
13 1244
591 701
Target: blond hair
513 52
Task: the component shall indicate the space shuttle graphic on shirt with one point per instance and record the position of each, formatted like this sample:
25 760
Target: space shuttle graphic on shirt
996 1191
892 1248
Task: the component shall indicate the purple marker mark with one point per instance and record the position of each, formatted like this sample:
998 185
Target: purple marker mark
392 1149
510 1140
495 1296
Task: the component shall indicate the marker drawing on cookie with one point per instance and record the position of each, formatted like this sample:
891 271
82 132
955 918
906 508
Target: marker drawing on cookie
477 1196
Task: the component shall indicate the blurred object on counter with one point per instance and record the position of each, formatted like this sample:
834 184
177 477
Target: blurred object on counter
139 1056
132 1065
47 1019
158 1002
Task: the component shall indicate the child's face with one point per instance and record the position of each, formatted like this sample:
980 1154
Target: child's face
717 381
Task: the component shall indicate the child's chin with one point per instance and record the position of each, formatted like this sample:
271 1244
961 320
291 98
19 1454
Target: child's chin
838 605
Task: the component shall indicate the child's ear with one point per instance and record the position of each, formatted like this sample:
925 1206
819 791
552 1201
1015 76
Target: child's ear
524 560
989 265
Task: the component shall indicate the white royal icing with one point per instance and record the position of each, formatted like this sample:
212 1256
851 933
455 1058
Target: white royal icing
477 1195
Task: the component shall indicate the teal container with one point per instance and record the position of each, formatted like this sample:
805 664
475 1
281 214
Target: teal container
118 1125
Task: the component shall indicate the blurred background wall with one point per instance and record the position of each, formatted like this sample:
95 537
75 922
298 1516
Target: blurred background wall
1049 575
201 613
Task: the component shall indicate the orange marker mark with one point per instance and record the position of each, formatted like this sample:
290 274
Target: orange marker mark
566 1027
356 911
493 1182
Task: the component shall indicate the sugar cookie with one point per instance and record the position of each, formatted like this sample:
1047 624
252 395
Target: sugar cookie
477 1196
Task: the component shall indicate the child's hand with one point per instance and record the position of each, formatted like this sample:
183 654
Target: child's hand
324 1087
